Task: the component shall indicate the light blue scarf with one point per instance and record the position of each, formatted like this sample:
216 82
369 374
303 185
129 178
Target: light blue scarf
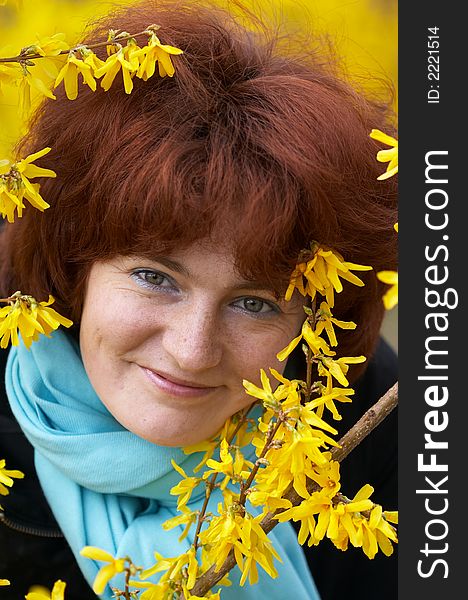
110 488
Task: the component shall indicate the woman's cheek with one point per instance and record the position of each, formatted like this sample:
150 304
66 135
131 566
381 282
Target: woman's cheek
259 355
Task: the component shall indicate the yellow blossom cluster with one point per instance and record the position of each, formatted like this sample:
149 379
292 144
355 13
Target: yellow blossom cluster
234 426
299 456
235 469
108 571
319 270
315 324
241 533
179 576
297 445
15 185
24 314
49 61
327 513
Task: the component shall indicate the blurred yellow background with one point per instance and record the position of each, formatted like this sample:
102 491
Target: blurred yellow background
364 33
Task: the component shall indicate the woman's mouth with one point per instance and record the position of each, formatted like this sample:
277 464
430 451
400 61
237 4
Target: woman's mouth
177 387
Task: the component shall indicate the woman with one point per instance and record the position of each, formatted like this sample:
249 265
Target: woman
176 218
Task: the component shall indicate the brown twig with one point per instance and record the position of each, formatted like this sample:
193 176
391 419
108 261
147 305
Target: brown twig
373 417
271 434
312 318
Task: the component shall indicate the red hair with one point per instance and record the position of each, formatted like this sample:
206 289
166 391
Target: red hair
272 145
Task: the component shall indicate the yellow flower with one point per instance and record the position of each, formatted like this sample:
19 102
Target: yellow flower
39 82
296 281
187 518
113 64
233 469
155 52
334 518
15 184
207 446
389 155
30 318
309 417
221 535
183 568
325 321
340 524
9 202
293 462
108 571
374 532
184 488
338 368
126 58
243 437
330 395
179 568
328 476
317 344
260 550
4 582
69 74
50 45
6 476
38 592
265 394
318 502
390 298
154 591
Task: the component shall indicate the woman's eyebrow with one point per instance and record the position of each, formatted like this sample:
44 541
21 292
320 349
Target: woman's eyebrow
173 265
253 285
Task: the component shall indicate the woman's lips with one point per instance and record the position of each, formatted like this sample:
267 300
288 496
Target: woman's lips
176 387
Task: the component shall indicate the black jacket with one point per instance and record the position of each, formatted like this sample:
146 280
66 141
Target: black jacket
33 550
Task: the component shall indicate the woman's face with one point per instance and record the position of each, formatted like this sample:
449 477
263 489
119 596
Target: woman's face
167 342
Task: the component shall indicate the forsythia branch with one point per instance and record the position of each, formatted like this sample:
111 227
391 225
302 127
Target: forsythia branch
28 54
369 421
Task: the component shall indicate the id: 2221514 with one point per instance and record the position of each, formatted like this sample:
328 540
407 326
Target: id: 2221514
433 93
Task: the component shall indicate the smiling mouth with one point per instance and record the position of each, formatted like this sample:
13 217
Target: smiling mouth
177 387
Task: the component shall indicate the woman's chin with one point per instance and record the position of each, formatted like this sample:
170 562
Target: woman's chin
174 437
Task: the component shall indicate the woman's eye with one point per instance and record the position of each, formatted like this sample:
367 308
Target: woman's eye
147 278
255 305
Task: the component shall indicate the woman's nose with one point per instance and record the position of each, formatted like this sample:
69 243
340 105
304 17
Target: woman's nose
193 339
